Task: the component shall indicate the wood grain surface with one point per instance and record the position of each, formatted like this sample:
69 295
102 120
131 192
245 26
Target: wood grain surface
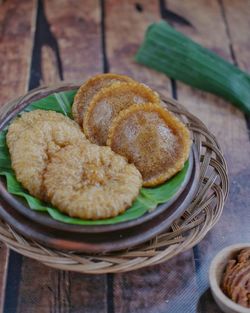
63 54
147 289
16 38
42 42
229 126
76 27
131 28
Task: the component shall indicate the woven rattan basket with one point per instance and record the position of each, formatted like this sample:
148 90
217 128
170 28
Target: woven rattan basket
187 231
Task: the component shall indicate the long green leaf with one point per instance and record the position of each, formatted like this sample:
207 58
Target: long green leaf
147 200
169 51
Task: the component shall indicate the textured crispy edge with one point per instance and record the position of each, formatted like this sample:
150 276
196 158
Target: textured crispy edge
107 91
19 123
88 84
172 121
111 212
77 138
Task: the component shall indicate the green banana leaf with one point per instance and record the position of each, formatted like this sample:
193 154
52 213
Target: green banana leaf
169 51
147 200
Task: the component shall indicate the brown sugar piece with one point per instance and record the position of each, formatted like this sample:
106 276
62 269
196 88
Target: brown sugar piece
89 89
91 182
108 103
236 278
153 139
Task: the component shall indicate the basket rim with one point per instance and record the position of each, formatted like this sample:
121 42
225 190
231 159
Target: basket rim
187 231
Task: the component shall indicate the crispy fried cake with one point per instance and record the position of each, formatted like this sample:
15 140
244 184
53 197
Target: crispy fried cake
86 92
107 104
153 139
32 139
30 119
91 182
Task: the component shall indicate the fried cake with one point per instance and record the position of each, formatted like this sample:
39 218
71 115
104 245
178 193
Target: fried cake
153 139
89 89
29 119
32 145
91 182
107 104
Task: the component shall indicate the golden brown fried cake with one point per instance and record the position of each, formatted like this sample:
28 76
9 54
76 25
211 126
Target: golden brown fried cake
91 182
89 89
153 139
31 152
29 119
107 104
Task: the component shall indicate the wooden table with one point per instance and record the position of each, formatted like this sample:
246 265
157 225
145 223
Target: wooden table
42 42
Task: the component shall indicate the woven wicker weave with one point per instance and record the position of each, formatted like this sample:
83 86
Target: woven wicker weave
187 231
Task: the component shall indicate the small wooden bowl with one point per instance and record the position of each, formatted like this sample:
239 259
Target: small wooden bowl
216 271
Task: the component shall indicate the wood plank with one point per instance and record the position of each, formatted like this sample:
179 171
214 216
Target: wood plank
48 290
73 30
130 23
16 19
237 17
76 25
88 293
237 20
163 288
16 32
213 35
229 126
4 256
154 289
42 289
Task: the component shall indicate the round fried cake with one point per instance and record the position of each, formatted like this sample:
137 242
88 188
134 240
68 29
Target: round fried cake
153 139
29 119
91 182
34 146
107 104
89 89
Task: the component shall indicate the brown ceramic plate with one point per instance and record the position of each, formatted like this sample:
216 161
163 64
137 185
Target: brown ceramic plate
99 242
44 219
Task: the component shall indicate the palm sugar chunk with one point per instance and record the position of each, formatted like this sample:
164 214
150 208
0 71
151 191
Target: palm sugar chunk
236 278
89 89
108 103
153 139
91 182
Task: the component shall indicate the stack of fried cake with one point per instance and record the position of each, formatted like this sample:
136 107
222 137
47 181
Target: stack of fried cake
128 116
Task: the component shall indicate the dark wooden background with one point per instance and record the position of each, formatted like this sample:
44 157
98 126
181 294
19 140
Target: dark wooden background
42 42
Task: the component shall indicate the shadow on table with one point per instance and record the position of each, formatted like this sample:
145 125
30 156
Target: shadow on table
206 303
